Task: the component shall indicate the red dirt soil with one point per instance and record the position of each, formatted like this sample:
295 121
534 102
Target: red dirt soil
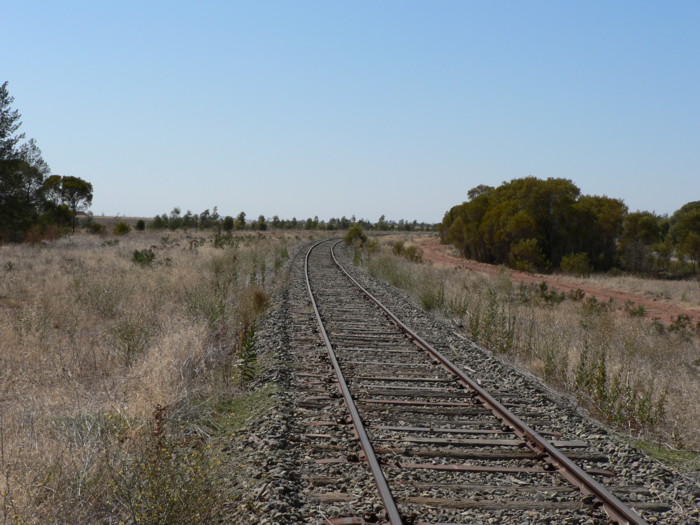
443 255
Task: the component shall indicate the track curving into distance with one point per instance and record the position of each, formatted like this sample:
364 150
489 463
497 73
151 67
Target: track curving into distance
433 438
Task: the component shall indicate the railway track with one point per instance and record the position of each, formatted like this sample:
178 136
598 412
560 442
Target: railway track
392 432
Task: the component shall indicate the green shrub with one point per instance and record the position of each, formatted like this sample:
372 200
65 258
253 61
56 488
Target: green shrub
682 325
551 297
413 253
634 405
372 246
527 256
431 292
246 352
576 264
576 295
355 234
97 228
143 257
166 480
122 228
141 225
592 306
493 323
223 240
635 311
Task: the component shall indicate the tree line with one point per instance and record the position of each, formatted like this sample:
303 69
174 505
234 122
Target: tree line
533 224
33 204
212 219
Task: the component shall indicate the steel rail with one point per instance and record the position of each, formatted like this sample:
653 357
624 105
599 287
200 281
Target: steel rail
615 508
384 491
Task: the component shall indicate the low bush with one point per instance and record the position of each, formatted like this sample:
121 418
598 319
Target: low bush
576 295
121 228
635 310
550 297
355 234
411 252
97 228
223 240
143 257
527 256
576 264
167 478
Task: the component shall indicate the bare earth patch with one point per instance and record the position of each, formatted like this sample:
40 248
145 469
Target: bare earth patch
666 311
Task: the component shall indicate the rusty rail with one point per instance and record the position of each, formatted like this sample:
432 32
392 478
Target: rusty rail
385 492
615 508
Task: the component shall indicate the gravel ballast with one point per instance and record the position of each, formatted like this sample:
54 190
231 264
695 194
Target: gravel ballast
283 482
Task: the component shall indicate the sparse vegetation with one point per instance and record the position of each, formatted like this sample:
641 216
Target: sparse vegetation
638 375
120 386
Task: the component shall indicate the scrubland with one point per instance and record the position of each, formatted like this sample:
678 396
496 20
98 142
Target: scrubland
680 292
123 363
639 375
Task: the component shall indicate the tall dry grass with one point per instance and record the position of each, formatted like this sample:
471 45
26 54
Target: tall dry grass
639 375
109 369
683 292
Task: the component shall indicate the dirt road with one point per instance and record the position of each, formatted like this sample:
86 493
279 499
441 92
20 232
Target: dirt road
443 255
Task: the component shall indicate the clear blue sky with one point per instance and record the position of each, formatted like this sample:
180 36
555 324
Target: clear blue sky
302 108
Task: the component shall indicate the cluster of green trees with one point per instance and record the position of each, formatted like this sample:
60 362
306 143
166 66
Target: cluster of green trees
535 224
206 220
33 203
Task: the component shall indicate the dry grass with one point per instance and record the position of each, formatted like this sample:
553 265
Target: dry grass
683 293
103 363
636 374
